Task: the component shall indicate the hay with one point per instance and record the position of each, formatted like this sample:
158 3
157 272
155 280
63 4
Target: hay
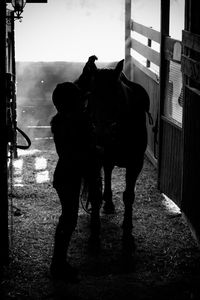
165 265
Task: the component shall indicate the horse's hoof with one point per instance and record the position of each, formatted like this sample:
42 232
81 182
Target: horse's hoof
128 241
64 272
94 243
109 208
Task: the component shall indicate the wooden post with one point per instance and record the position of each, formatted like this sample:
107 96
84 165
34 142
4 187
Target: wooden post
164 72
148 63
14 101
3 143
128 38
149 44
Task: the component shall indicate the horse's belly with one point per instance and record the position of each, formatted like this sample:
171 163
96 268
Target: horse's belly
126 152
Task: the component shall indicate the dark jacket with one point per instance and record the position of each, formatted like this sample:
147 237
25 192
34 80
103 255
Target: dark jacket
74 144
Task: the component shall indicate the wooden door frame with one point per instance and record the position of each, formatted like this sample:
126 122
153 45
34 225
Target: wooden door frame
164 69
3 144
191 119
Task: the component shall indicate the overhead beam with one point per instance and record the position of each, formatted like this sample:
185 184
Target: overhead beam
128 68
30 1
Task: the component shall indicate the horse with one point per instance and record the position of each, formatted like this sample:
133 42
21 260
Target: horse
118 109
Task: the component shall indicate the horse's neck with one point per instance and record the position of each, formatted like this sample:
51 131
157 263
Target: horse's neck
126 95
83 83
125 79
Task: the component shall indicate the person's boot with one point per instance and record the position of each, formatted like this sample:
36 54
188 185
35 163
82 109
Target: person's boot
64 271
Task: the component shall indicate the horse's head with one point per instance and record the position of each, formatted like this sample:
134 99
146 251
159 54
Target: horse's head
106 100
117 106
105 81
93 79
104 88
107 95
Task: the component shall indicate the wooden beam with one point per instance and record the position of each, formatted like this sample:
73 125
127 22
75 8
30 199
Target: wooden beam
146 70
150 33
3 144
146 51
30 1
128 67
38 1
149 44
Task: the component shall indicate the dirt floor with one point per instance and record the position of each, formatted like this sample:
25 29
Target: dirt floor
165 265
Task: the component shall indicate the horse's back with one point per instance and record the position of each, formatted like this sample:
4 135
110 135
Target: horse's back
127 139
139 94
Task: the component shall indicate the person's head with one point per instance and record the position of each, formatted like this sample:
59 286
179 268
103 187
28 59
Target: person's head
66 97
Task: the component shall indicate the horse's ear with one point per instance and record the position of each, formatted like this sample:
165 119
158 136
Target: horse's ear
119 67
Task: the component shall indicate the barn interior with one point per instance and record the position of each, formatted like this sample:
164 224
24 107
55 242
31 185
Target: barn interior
160 42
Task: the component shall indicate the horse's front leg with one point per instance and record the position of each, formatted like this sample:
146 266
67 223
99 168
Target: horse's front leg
107 196
128 199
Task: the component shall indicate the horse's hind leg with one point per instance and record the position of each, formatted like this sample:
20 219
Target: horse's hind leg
128 199
107 196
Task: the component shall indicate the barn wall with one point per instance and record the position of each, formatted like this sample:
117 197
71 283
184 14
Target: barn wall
171 163
191 159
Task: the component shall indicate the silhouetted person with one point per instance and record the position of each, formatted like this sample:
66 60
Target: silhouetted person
72 137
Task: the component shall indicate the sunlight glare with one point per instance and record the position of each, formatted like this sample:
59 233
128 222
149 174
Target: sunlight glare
18 168
27 152
170 205
42 176
40 163
18 165
18 181
71 31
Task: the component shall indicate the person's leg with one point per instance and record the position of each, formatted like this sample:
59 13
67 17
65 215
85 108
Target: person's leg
69 198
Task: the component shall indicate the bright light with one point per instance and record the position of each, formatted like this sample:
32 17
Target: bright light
68 30
18 164
27 152
18 168
42 176
171 206
18 181
40 163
